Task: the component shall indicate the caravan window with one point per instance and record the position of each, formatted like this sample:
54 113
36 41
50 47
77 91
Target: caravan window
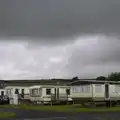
74 89
35 91
77 89
22 91
68 91
48 91
98 88
86 88
16 91
2 93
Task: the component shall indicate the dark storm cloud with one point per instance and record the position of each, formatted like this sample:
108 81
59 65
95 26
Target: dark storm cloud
58 18
86 33
86 57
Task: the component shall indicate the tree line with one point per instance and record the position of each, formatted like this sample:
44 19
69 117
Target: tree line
114 76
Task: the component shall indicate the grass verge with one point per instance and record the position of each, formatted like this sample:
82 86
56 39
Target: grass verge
7 115
65 108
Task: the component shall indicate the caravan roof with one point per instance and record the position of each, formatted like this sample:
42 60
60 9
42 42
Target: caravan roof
93 82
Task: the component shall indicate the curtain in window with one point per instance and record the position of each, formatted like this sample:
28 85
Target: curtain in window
98 88
34 91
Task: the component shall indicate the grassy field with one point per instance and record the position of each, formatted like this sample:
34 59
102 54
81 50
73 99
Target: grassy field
65 108
7 115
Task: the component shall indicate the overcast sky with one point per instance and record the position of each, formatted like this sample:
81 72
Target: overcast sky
59 38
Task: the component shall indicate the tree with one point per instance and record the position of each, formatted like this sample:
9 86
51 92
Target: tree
114 76
101 78
75 78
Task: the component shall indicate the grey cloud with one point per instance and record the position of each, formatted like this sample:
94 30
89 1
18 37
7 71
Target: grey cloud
86 57
58 18
99 59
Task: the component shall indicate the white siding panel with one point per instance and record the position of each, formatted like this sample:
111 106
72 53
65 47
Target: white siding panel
62 90
112 92
117 88
115 91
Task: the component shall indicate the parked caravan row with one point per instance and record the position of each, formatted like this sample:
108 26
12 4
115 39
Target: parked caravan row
82 91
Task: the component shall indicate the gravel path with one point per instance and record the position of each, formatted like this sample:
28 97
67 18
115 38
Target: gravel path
43 115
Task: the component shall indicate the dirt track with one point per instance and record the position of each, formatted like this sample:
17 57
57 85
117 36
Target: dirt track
43 115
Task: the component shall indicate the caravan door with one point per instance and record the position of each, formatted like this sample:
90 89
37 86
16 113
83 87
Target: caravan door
107 91
57 93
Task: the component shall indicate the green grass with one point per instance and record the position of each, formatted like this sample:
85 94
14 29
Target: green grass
7 115
71 109
65 108
49 108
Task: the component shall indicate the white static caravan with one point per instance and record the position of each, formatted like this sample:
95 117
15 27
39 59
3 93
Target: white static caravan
48 93
12 91
87 90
